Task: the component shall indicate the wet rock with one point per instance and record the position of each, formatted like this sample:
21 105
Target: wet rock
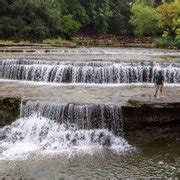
2 134
74 141
9 110
143 111
106 141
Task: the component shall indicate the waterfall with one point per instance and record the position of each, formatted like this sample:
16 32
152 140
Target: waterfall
52 128
87 72
88 116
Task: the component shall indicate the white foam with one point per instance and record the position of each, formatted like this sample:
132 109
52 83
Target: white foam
33 83
109 51
42 136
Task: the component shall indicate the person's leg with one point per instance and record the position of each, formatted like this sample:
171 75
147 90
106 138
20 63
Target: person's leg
156 90
161 90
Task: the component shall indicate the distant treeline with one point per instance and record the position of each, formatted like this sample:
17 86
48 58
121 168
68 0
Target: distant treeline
36 20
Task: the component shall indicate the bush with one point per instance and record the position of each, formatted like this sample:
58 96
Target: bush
177 44
98 43
166 43
58 41
161 43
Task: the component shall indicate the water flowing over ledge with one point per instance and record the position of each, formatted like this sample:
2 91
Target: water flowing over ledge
108 51
92 72
87 116
48 128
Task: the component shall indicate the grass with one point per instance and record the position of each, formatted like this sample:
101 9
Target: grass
58 41
157 43
99 43
6 42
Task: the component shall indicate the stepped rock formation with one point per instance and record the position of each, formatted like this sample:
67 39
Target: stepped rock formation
87 72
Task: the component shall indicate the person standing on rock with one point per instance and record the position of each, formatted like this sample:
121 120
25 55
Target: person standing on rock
159 82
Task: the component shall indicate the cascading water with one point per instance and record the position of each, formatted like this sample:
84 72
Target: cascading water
87 72
48 128
85 116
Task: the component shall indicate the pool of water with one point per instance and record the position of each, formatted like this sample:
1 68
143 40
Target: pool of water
158 160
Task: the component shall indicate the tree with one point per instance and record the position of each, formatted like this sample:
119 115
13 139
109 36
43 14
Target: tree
153 3
68 26
79 13
118 23
144 20
35 19
168 17
99 13
145 2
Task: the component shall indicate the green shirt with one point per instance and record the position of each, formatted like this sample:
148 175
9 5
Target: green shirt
159 79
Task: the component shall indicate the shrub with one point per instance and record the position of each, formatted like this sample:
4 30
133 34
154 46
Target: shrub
165 43
161 43
177 44
58 41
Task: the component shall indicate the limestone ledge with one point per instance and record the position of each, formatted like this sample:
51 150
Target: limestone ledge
145 118
143 110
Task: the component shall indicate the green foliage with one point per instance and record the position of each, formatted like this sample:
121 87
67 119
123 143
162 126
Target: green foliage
100 43
177 25
177 38
168 17
145 2
166 43
162 43
177 44
153 3
36 20
58 41
99 13
118 23
79 13
144 20
68 25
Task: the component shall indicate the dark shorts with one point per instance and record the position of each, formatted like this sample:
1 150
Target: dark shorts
159 84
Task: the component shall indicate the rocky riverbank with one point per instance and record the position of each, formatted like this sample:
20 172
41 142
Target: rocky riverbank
83 40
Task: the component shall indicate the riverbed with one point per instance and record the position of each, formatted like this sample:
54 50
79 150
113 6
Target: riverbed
157 159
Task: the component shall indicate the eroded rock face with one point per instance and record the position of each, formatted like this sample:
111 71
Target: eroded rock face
9 110
154 134
144 111
147 119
